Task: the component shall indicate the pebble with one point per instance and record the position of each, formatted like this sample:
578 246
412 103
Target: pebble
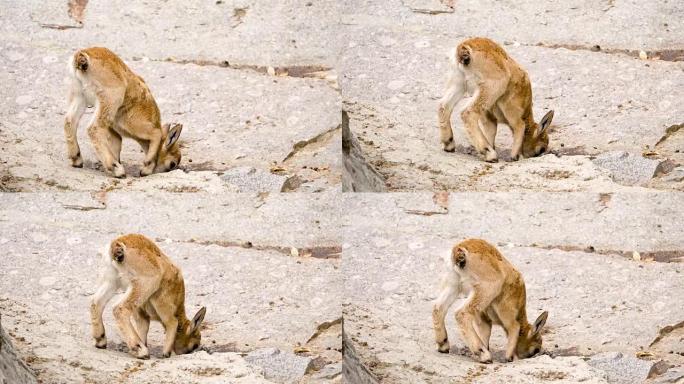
395 84
74 240
24 99
390 286
47 281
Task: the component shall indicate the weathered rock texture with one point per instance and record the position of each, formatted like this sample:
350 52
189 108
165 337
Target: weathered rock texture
394 65
12 369
576 252
238 253
249 94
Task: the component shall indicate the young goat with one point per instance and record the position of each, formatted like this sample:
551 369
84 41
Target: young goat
125 108
502 94
154 290
496 295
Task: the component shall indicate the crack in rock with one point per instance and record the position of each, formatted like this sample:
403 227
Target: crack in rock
322 328
298 146
662 55
671 130
430 7
325 252
666 331
321 72
670 256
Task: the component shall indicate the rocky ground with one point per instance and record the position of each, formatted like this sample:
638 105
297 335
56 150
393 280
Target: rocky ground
618 118
607 267
254 88
256 91
261 324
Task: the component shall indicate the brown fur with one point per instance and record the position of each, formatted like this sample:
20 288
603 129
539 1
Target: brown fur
496 296
503 95
154 291
125 108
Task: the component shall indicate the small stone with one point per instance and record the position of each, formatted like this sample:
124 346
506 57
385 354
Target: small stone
74 240
24 99
280 366
390 286
330 371
49 59
628 168
270 71
395 85
47 281
636 256
643 55
15 56
622 369
421 44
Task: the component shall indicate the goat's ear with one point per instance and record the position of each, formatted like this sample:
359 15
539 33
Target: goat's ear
118 251
458 257
545 122
539 323
173 135
197 320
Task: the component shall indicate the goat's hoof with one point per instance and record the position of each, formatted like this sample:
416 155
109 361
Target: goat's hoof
101 342
443 347
146 170
141 352
118 171
77 162
449 146
491 156
485 357
166 355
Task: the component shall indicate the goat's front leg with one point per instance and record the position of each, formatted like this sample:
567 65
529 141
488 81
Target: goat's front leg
477 111
133 299
100 134
153 147
468 316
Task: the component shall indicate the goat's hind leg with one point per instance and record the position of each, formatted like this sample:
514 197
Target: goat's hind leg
439 310
75 110
454 93
104 293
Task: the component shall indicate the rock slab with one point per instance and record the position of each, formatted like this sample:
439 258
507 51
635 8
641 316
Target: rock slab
12 369
280 366
620 368
628 168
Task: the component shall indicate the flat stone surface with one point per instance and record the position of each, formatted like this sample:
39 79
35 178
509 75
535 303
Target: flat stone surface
284 122
571 247
12 368
603 101
622 369
628 168
280 366
235 251
250 179
238 31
